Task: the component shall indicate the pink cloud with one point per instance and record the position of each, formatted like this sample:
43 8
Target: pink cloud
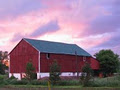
75 18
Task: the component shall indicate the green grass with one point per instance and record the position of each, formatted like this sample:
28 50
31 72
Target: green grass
106 82
38 86
60 87
109 82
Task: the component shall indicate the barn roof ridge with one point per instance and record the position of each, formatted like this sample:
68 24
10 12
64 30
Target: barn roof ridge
57 47
49 41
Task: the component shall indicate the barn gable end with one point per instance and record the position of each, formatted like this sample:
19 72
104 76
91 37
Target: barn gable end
20 56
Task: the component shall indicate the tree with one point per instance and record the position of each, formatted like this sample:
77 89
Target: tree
54 72
86 74
109 61
30 71
3 67
3 55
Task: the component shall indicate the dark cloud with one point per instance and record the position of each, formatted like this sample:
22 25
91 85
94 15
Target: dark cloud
51 26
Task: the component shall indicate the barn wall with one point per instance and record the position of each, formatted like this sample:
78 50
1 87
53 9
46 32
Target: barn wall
94 63
20 55
68 63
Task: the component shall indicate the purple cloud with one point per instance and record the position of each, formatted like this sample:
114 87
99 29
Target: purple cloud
17 37
109 21
116 7
113 43
17 7
51 26
104 24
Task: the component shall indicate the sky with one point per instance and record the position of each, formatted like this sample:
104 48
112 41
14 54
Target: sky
92 24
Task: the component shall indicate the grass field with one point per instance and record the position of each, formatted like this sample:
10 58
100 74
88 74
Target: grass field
109 83
39 87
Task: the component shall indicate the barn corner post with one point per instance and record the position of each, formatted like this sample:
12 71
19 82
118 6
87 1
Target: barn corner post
76 64
38 74
9 66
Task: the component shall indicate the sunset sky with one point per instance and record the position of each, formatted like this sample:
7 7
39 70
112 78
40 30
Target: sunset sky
91 24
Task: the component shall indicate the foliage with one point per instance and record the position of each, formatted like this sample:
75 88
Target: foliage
54 73
1 79
2 68
109 61
86 74
97 82
19 82
3 55
38 82
30 71
105 82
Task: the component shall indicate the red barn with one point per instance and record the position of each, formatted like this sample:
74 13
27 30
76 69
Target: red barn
42 53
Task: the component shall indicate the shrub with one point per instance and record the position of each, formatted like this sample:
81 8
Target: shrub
105 82
54 73
12 77
18 82
37 82
1 79
30 74
86 74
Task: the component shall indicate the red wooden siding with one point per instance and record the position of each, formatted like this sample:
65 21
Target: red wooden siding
94 64
68 62
24 52
20 55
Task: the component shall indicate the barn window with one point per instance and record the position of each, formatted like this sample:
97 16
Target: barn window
84 58
48 55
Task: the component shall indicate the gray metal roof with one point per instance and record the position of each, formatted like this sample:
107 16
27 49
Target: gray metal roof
57 47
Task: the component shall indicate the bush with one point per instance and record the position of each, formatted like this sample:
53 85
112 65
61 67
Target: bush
87 73
18 82
55 73
1 79
105 82
12 77
30 71
37 82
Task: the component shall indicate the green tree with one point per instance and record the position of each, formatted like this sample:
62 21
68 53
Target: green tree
109 61
3 55
3 67
54 73
86 75
30 71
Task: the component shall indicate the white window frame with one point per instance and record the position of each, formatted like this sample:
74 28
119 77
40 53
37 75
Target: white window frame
84 58
48 55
